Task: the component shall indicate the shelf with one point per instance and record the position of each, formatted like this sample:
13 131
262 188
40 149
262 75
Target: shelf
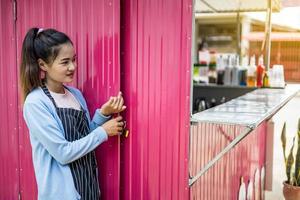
211 85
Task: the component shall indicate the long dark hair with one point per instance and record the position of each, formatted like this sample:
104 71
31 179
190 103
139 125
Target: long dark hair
43 44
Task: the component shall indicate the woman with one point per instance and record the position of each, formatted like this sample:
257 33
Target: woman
62 136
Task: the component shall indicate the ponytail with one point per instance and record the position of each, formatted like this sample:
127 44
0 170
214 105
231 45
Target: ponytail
43 44
30 71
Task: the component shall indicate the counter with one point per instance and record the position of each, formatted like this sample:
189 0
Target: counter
228 141
249 109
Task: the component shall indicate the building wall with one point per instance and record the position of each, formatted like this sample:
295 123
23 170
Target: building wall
286 53
290 3
155 76
94 27
152 163
9 156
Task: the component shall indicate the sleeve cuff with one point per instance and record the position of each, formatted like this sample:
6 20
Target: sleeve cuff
102 134
107 117
99 118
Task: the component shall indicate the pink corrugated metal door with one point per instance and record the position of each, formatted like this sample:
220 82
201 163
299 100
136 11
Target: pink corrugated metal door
94 28
155 80
155 77
9 161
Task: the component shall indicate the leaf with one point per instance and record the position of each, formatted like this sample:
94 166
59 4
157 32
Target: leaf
299 127
283 141
290 162
297 164
297 179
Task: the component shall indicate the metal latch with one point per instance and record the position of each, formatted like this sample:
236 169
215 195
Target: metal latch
125 131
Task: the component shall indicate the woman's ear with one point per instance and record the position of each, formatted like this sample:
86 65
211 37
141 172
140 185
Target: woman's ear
42 64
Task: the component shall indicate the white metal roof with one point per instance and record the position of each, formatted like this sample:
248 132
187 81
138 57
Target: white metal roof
221 6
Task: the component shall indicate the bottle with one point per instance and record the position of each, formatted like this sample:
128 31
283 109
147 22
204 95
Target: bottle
228 71
212 73
204 59
196 73
243 72
266 81
203 72
220 70
251 75
260 70
236 75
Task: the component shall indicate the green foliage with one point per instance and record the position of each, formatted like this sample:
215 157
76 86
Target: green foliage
292 178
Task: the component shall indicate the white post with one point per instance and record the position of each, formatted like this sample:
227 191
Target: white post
268 35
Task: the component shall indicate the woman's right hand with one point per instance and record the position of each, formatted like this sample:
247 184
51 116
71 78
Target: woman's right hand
114 126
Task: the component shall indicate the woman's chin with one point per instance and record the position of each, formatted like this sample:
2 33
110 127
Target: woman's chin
68 80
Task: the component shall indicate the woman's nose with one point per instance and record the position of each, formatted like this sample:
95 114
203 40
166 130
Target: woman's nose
72 67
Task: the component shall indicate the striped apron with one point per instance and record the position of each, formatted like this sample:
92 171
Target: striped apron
84 170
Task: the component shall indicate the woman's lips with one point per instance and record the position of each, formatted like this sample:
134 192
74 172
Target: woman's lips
70 74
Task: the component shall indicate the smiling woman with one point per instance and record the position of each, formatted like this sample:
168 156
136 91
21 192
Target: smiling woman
62 135
61 70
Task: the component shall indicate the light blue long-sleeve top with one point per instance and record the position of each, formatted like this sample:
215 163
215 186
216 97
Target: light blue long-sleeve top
51 152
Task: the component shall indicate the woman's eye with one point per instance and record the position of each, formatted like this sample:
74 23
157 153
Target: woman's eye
65 63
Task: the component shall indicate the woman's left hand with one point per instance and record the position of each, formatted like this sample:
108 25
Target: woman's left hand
113 105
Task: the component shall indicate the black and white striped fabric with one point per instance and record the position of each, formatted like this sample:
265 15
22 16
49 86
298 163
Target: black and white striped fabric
84 170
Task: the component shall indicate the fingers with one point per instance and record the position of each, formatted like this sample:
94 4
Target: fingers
123 108
119 128
121 102
115 104
114 101
121 124
110 101
114 126
119 118
118 102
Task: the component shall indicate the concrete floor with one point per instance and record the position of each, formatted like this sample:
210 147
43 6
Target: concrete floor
290 113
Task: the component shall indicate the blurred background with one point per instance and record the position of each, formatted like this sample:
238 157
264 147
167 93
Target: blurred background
241 36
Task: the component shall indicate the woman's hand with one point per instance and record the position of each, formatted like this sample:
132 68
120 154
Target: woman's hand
113 105
114 126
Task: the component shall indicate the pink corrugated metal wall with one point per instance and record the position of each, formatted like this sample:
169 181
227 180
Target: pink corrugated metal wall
222 181
94 27
155 79
9 159
155 76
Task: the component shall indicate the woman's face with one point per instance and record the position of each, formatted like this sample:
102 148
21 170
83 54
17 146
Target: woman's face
63 67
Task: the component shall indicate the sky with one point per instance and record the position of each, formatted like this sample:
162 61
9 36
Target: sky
286 17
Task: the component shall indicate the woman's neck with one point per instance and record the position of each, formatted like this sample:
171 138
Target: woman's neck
54 86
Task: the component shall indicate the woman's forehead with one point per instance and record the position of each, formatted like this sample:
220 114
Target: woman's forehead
66 51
